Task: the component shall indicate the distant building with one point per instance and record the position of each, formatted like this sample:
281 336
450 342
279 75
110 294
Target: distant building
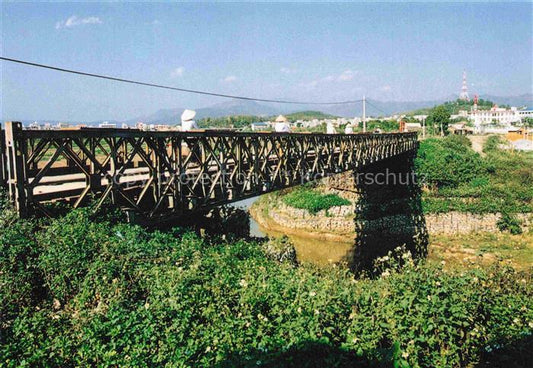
107 124
519 134
141 126
258 126
460 129
163 127
419 117
413 127
498 116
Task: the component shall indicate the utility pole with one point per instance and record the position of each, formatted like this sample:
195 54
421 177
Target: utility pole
364 114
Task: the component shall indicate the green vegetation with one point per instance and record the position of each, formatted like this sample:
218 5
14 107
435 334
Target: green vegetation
385 125
527 122
459 179
453 107
492 144
308 115
77 291
448 162
510 223
482 249
312 200
439 119
234 121
244 121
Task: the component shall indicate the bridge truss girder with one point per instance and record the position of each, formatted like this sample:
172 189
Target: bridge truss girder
164 174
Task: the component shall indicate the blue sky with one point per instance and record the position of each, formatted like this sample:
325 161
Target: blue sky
319 51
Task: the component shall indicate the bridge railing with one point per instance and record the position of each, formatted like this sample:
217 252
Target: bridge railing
157 174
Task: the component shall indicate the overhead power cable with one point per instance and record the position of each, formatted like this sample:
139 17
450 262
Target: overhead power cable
170 87
377 108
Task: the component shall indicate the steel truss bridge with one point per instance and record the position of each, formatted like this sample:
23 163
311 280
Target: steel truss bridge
161 174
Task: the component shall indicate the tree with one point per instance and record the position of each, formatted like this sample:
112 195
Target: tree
440 117
527 122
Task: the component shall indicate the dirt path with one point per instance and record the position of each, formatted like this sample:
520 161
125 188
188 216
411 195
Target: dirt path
478 141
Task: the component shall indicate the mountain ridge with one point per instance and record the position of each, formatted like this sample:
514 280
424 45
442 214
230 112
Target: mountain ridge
376 108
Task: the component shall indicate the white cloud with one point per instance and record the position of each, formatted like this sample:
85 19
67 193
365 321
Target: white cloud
74 21
287 70
346 75
386 88
309 85
229 79
178 72
155 22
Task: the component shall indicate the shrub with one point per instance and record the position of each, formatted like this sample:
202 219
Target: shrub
312 200
69 244
492 143
448 162
280 249
20 279
457 142
461 180
175 299
510 223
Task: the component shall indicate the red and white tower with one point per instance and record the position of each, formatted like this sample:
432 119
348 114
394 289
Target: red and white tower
464 90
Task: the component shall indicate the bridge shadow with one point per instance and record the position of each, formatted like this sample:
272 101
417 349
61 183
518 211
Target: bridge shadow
513 354
227 222
388 213
306 354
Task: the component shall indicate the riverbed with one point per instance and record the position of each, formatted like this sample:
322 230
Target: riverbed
320 252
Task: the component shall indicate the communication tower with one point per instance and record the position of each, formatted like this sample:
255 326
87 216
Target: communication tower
464 90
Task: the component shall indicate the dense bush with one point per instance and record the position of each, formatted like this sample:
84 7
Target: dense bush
459 179
492 143
312 200
510 223
20 278
130 297
448 162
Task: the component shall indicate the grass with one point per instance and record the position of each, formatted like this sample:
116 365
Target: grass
483 249
312 200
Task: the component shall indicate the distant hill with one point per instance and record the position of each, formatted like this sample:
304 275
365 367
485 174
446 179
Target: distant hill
525 99
382 108
309 115
378 108
374 108
229 108
485 102
236 107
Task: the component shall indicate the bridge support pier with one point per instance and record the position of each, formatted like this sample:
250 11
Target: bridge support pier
388 212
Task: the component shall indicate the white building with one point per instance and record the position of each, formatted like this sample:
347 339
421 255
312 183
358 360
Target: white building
34 126
107 124
498 116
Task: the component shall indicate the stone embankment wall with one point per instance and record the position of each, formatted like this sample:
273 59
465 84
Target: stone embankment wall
340 220
465 223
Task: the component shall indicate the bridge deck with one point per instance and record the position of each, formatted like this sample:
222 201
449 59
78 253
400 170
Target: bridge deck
159 174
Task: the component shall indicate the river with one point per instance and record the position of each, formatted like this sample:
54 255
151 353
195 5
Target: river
320 252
